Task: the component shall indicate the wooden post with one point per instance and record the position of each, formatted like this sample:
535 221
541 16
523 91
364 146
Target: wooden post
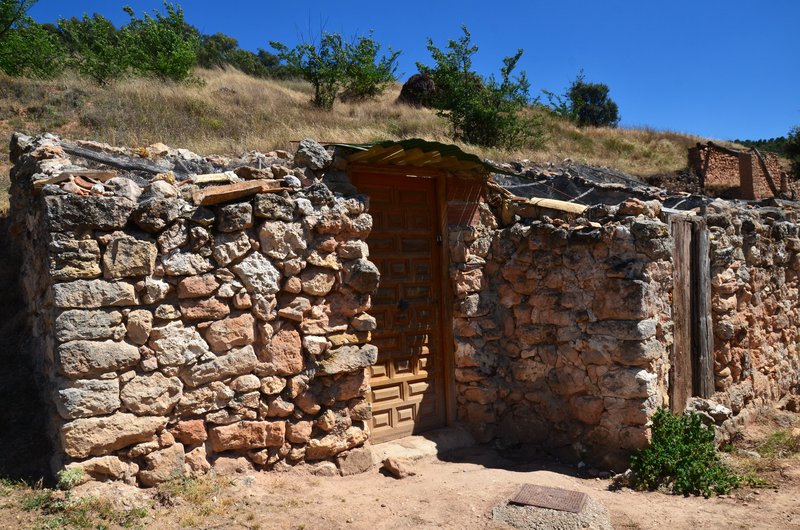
680 382
702 334
448 340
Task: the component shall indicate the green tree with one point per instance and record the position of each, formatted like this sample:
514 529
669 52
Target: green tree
26 48
214 50
792 149
97 49
483 111
336 68
367 75
587 104
322 65
164 46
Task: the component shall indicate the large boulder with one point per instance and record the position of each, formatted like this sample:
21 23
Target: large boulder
91 294
312 155
101 436
418 91
77 324
126 257
237 362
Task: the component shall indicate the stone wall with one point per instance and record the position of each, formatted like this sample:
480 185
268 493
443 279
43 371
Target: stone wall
563 328
755 282
171 336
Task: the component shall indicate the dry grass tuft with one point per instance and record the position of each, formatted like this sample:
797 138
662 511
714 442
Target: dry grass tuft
228 112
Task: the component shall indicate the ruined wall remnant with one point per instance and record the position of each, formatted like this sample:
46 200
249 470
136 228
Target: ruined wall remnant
755 281
171 334
731 173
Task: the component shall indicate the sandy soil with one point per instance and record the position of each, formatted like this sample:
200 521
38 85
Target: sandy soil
460 493
458 490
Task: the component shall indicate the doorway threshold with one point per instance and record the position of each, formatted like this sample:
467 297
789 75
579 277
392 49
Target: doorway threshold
430 443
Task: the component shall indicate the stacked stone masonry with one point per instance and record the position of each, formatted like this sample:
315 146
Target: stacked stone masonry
755 286
562 328
173 335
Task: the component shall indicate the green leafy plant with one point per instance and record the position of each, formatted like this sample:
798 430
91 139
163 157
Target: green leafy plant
792 149
336 68
69 478
220 50
97 49
483 111
27 48
587 104
682 458
163 46
366 74
323 65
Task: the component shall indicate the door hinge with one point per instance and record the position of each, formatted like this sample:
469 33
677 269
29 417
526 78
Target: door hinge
439 240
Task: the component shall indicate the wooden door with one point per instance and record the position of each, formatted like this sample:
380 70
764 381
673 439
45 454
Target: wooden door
408 391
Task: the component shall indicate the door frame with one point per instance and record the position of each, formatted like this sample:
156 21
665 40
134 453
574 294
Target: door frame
447 297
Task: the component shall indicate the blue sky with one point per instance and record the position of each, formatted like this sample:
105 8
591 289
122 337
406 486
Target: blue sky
721 69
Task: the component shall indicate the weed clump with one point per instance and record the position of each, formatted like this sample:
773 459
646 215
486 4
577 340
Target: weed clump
682 458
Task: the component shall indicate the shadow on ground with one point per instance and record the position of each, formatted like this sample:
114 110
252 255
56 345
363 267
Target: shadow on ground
24 447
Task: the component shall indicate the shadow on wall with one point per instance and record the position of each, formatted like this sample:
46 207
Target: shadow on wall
24 447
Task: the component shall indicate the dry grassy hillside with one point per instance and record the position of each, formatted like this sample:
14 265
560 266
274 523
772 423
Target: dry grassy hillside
230 113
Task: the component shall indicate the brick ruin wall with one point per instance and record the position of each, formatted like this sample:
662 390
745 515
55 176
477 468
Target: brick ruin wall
755 289
761 188
171 336
741 175
563 329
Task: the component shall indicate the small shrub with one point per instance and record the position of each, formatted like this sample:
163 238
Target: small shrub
792 149
585 103
69 478
482 111
336 68
682 458
366 75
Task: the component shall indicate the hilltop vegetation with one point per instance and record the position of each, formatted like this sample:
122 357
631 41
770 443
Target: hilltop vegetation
158 79
230 112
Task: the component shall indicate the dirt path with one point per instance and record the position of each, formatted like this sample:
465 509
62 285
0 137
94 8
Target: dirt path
459 493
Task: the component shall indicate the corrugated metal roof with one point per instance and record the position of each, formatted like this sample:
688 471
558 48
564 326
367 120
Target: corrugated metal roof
419 153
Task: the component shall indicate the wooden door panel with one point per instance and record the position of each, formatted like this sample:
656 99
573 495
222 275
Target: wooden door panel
408 380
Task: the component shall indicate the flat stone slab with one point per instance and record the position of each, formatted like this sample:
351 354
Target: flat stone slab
431 443
594 515
551 498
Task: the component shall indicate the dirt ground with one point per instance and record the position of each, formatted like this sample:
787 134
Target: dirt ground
458 490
